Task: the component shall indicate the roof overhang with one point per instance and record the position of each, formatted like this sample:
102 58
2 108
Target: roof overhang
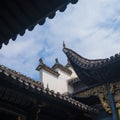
19 15
12 81
93 72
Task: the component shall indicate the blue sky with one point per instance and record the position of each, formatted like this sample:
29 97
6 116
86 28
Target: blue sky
90 27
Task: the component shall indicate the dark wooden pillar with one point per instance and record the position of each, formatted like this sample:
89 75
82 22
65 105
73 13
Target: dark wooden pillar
112 102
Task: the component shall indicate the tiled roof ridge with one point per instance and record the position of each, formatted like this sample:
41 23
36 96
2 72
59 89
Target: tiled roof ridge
39 88
47 68
89 63
63 68
20 76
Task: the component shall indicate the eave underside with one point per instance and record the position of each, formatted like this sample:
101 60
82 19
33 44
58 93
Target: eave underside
16 16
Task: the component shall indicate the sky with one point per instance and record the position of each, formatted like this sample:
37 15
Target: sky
90 27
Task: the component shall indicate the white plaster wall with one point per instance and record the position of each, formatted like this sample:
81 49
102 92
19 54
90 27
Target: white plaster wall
58 84
49 80
62 79
73 75
70 89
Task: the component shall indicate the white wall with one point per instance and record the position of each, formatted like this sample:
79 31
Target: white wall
48 79
58 84
62 81
73 75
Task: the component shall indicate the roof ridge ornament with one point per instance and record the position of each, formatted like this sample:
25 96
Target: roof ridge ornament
57 61
41 61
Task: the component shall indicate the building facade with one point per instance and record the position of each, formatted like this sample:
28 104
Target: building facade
98 83
92 82
56 77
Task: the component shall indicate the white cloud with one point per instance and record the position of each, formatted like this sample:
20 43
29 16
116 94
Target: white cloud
88 27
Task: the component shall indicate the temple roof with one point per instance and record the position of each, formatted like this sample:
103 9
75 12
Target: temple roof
96 71
12 77
17 15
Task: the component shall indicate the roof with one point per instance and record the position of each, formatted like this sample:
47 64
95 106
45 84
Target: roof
21 77
13 77
91 100
52 69
73 80
47 68
95 71
17 16
60 66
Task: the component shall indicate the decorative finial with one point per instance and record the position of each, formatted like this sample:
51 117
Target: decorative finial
57 62
64 44
41 61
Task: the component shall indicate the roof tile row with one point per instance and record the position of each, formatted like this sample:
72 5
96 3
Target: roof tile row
86 63
38 87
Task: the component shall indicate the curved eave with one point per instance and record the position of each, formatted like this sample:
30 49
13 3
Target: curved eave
94 71
90 64
82 61
17 16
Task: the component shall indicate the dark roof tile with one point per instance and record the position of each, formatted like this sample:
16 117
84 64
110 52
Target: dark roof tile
38 87
95 71
17 16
